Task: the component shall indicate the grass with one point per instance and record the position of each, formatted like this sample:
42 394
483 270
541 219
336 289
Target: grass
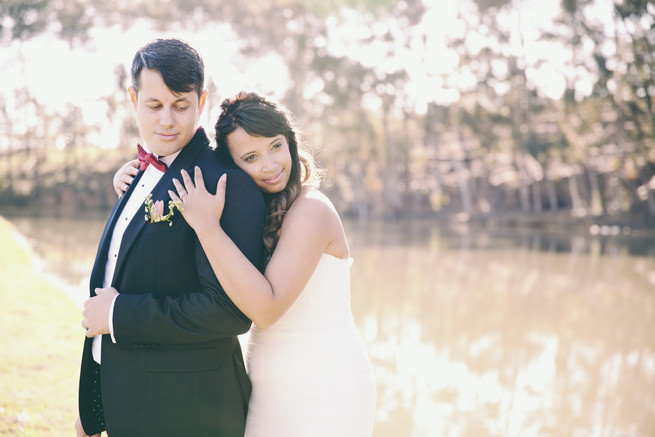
40 346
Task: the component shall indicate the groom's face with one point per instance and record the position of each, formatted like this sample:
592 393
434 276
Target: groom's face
167 121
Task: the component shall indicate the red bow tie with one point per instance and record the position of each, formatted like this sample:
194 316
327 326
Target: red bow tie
146 159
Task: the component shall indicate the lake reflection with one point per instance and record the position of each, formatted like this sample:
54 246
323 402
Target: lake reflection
481 333
475 333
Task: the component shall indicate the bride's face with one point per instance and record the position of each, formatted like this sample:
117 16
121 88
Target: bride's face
266 160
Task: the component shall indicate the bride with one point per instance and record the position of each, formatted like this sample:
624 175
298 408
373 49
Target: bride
308 366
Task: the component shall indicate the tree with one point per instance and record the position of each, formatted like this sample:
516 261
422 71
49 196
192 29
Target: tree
70 20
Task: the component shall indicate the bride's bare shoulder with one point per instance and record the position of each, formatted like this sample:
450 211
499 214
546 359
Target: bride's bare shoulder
315 217
311 203
312 198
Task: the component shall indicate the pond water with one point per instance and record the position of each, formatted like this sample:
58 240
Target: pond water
477 332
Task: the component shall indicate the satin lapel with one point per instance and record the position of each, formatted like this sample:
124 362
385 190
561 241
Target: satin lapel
97 273
183 161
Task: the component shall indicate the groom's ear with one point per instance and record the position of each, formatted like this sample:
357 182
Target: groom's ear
202 100
133 97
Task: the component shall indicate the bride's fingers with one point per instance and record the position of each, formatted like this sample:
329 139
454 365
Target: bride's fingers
131 170
197 177
199 181
179 187
220 187
188 183
174 197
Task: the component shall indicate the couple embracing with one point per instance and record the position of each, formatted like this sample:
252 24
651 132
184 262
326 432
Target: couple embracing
180 272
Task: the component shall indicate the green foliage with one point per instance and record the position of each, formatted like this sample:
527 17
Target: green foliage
24 19
485 6
325 8
503 145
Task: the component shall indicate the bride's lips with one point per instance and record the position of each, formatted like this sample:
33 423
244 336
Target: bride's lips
273 179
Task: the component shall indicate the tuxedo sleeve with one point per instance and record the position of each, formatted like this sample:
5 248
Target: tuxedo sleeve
207 314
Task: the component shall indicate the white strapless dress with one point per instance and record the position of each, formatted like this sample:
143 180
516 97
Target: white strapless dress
310 373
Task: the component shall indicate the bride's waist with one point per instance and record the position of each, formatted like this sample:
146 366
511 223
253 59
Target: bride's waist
305 319
289 332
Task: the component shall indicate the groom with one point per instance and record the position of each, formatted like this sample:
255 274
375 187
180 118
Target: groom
165 359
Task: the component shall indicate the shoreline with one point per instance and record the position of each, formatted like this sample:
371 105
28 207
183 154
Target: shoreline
41 345
69 289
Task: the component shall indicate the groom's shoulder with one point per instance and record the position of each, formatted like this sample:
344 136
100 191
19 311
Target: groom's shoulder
210 160
208 154
214 164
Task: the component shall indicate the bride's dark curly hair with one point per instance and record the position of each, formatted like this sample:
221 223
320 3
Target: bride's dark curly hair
261 117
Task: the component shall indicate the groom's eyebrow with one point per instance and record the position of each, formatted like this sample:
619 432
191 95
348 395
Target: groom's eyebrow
155 99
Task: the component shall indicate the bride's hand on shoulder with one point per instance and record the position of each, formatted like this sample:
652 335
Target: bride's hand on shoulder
124 176
199 207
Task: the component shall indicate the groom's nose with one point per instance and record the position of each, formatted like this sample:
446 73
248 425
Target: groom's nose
166 117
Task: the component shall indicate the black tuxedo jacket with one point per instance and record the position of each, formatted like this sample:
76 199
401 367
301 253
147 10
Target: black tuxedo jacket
176 368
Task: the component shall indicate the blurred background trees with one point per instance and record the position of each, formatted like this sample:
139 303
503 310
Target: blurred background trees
500 117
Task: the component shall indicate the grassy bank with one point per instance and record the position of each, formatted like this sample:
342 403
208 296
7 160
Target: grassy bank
40 347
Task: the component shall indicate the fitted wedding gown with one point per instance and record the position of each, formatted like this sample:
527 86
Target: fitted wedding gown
310 372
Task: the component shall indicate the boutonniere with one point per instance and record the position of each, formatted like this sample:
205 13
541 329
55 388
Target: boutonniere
155 210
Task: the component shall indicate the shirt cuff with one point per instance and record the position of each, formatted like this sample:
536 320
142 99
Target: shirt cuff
111 319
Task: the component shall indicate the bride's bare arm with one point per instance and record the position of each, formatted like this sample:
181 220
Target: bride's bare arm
308 229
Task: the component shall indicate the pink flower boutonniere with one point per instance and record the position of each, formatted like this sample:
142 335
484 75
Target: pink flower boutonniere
155 210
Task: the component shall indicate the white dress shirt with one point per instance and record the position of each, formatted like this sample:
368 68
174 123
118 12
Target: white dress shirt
149 179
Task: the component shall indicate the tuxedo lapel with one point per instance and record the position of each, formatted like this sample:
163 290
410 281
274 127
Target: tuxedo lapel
183 161
186 158
97 273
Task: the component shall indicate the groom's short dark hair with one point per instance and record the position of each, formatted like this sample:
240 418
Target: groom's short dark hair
179 64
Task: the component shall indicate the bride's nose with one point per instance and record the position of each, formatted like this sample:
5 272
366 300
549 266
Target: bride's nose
269 163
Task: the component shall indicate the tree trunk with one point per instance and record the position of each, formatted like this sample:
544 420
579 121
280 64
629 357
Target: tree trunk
524 193
596 205
536 197
463 186
391 178
576 202
552 194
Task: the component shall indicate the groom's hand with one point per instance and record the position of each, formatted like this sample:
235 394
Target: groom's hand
96 312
